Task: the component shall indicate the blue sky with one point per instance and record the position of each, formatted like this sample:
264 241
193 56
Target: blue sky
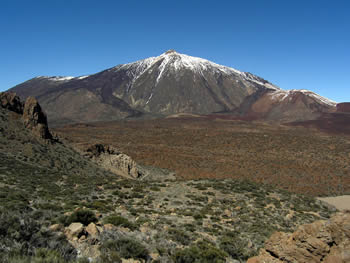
293 44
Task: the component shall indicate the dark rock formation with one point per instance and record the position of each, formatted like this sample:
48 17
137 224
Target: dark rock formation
10 101
322 241
32 115
35 119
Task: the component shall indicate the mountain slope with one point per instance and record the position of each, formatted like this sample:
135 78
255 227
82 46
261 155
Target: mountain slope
287 106
159 86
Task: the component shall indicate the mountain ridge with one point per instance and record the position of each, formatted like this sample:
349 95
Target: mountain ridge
169 84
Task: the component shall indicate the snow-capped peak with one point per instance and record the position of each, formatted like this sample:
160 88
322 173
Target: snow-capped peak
174 61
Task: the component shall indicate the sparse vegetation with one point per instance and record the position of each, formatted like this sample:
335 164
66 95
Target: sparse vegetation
206 220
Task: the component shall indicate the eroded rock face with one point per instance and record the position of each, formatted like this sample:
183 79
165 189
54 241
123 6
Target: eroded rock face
322 241
10 101
113 160
32 115
35 119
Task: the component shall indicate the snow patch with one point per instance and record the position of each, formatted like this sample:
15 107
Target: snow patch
150 97
83 77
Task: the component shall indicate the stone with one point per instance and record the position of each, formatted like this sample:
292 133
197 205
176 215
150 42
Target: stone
56 227
109 227
74 231
154 256
130 260
92 230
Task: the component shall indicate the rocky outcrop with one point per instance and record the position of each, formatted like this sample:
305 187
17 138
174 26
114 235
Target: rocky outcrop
35 119
322 241
10 101
113 160
32 115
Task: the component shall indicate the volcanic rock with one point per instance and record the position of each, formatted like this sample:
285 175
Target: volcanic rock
112 160
321 241
92 230
10 101
74 231
35 119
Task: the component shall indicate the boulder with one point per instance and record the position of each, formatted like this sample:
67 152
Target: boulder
74 231
56 227
92 230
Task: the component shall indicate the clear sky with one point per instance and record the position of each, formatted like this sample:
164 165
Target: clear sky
293 44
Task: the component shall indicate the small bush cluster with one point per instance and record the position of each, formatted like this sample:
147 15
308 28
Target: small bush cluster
22 236
114 249
201 252
83 216
118 220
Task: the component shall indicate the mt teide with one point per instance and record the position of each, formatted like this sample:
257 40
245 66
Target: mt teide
169 84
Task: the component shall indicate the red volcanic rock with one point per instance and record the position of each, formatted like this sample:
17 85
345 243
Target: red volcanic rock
10 101
343 107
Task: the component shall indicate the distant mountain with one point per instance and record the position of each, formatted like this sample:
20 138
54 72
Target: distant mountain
169 84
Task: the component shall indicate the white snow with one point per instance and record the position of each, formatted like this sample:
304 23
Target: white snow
171 60
61 78
55 78
150 97
82 77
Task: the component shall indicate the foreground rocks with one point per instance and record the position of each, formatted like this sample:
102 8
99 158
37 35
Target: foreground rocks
322 241
32 115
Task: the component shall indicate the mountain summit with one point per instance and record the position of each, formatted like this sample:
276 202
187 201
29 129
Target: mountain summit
168 84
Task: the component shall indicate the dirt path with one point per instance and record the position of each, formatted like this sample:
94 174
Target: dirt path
340 202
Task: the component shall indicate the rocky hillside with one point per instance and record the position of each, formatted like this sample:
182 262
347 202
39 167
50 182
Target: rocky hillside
169 84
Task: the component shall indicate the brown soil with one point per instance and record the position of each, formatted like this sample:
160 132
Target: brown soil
296 159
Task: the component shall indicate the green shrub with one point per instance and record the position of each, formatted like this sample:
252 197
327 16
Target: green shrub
125 248
235 247
179 236
118 220
21 236
202 252
83 216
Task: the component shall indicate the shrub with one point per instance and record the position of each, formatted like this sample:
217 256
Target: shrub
235 247
83 216
202 252
22 236
118 220
179 236
125 248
